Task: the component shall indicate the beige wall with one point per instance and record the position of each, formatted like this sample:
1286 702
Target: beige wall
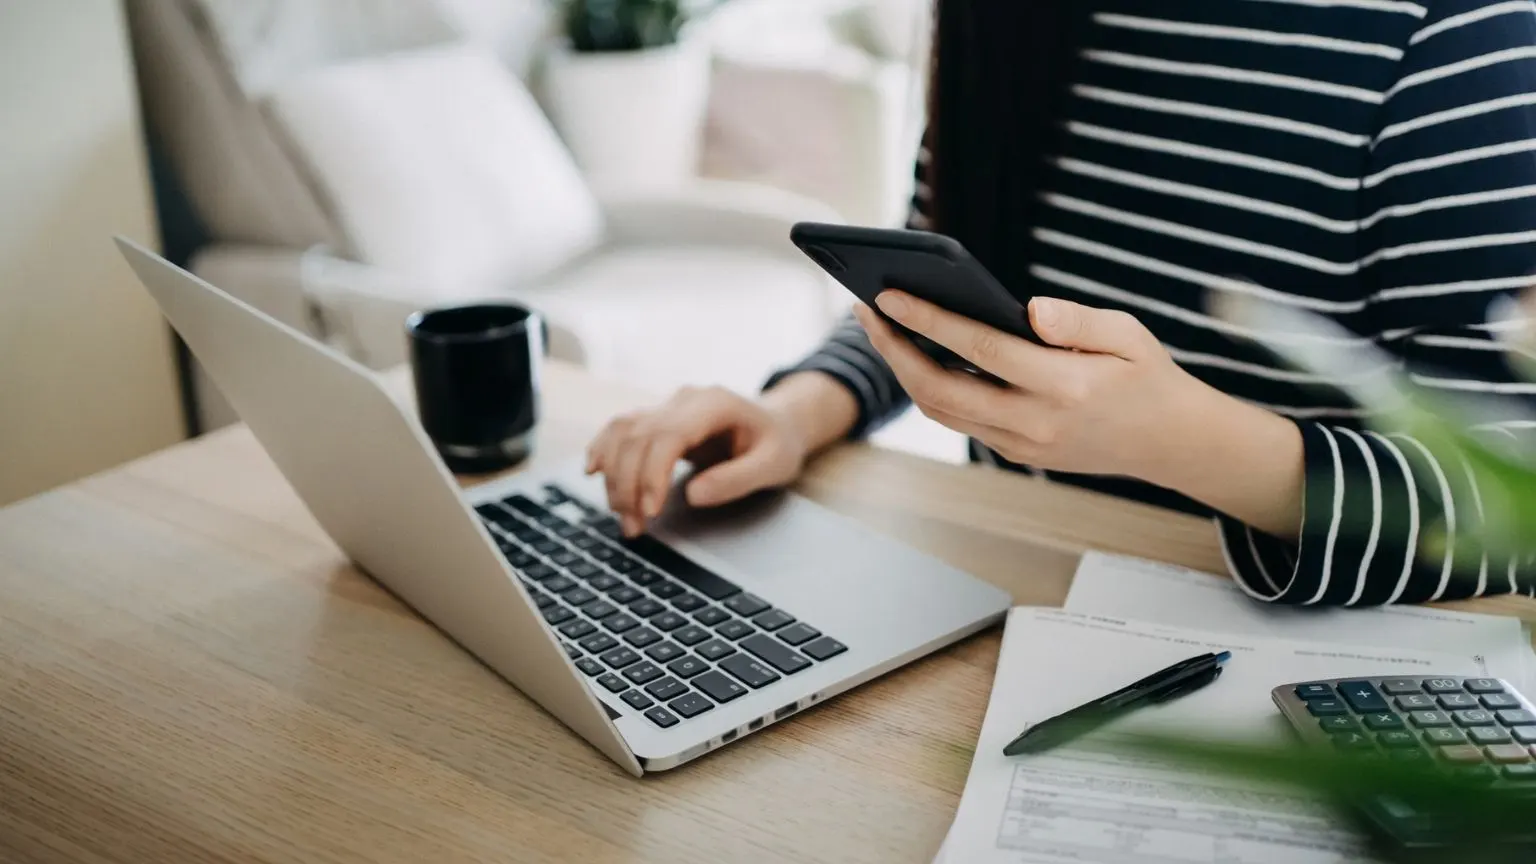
86 372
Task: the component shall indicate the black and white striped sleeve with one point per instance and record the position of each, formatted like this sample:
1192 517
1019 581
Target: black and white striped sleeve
847 355
1449 225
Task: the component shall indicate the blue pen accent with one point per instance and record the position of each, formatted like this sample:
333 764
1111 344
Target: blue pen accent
1223 656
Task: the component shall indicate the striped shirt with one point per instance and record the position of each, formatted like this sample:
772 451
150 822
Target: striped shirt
1370 160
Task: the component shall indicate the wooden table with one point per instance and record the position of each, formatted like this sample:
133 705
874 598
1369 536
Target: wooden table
191 671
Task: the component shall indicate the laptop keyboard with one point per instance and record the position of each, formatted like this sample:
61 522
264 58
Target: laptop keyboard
670 638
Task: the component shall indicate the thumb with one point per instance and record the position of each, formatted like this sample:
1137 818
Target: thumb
1065 324
732 479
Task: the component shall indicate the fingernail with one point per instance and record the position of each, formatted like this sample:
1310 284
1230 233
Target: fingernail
649 505
893 304
1046 311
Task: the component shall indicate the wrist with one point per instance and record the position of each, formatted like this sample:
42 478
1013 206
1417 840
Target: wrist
813 408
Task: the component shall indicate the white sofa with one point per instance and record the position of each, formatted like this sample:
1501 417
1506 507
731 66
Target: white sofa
356 161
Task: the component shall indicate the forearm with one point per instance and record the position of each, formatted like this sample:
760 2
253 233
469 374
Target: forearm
819 409
1236 458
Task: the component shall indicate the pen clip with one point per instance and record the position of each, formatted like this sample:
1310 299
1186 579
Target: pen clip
1185 687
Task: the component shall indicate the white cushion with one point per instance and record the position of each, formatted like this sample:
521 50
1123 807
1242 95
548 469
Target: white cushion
439 164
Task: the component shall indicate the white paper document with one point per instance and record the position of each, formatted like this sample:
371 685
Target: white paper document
1086 803
1123 587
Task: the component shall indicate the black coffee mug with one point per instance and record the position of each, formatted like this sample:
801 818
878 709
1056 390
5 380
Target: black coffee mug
476 370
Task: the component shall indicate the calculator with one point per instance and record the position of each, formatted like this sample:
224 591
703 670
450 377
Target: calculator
1480 728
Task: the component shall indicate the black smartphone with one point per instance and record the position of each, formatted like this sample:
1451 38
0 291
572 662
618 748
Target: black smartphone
931 266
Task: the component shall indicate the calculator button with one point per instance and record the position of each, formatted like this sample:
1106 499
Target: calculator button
1516 718
1484 685
1461 754
1474 773
1500 700
1397 739
1430 719
1362 696
1326 707
1474 717
1338 724
1524 734
1317 691
1506 754
1418 702
1442 685
1441 736
1454 701
1523 773
1414 755
1400 686
1377 721
1488 736
1353 741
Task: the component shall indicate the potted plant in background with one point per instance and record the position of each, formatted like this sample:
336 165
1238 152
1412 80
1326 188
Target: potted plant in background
627 86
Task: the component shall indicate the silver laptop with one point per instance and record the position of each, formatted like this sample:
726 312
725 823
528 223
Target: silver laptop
658 650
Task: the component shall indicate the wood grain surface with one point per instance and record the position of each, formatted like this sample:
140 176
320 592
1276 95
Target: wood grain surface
191 671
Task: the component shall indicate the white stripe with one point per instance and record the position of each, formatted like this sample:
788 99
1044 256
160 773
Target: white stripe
1505 426
1301 412
1228 73
1453 244
1176 271
874 370
1399 6
1412 552
1462 342
1446 203
1258 561
1468 287
1514 584
1510 326
1244 34
1179 313
1482 517
1217 361
1481 61
1228 242
1462 112
1333 522
1370 545
1457 21
1226 115
1450 515
1221 157
1210 196
860 381
1472 385
1394 335
1429 163
1237 572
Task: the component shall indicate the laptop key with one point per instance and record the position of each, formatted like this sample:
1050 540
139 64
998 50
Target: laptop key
665 588
661 717
546 546
538 572
598 644
642 636
589 666
735 629
643 673
687 602
612 682
718 687
665 652
604 553
824 648
773 619
714 649
597 610
691 635
565 558
798 634
585 570
559 584
585 541
682 568
623 594
636 700
691 705
639 575
578 596
620 623
668 621
666 688
618 658
577 629
646 608
558 615
603 582
687 667
779 656
542 600
711 616
749 671
571 651
746 605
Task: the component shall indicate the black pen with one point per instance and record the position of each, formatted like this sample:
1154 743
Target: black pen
1180 679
